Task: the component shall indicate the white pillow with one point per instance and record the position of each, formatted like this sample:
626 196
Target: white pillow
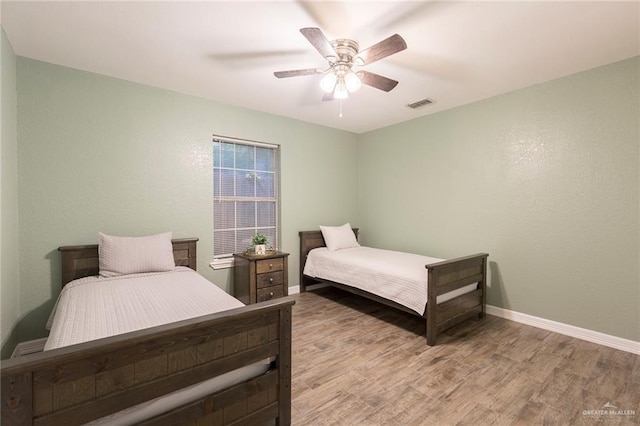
339 237
132 255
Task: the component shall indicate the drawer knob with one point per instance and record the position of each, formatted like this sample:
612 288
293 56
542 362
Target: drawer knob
270 265
270 280
270 294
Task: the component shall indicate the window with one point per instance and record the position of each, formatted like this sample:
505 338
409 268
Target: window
245 196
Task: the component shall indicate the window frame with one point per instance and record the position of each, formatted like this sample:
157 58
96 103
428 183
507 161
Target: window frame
226 260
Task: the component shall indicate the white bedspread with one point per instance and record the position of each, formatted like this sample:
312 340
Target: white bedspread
396 276
95 307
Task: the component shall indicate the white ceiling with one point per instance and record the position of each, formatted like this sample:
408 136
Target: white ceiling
458 52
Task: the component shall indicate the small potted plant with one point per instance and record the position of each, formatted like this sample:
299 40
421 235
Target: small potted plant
260 243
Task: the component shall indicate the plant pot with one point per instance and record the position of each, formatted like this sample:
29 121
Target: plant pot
260 249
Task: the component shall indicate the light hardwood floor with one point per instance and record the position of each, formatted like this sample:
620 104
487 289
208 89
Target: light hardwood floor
356 362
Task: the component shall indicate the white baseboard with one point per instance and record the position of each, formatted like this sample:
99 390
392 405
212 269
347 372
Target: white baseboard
557 327
294 289
568 330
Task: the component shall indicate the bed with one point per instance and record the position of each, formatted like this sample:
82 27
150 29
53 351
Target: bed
92 381
456 289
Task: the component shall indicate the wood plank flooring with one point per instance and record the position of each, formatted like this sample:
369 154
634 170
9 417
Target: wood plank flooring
356 362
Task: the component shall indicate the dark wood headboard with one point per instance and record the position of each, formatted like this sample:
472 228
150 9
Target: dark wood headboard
310 240
82 261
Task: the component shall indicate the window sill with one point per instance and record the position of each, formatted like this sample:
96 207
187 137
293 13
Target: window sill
222 263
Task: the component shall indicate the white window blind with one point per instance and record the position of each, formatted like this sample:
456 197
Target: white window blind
245 194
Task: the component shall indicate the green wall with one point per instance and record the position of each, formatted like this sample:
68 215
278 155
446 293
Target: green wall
101 154
9 278
545 180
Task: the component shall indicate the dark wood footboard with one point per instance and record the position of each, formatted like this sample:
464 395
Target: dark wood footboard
83 382
443 277
448 276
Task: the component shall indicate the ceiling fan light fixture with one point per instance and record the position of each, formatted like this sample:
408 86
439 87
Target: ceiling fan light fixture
352 81
328 82
342 55
341 91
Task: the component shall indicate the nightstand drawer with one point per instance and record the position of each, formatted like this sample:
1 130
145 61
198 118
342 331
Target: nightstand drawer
270 279
269 265
269 293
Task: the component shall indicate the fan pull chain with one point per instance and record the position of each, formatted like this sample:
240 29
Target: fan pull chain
340 102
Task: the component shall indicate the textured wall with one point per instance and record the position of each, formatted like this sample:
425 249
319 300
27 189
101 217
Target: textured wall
545 179
9 284
101 154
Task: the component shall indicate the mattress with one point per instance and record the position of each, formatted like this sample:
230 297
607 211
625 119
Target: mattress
96 307
396 276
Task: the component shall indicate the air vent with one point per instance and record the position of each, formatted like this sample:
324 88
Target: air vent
419 104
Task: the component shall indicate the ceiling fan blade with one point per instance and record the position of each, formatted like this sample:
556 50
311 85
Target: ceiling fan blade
327 96
297 73
377 81
386 47
319 41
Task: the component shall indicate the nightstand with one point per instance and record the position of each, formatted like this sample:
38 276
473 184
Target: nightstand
260 278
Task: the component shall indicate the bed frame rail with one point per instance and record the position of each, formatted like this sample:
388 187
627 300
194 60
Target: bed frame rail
80 383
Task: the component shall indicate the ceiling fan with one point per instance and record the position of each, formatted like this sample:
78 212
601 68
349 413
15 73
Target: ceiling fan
342 55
